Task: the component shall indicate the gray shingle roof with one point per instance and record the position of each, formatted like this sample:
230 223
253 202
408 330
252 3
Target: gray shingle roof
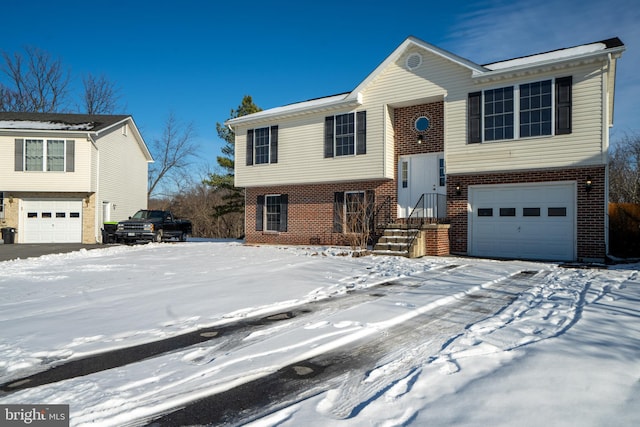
84 122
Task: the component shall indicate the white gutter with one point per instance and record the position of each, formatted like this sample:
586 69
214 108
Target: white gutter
292 111
536 66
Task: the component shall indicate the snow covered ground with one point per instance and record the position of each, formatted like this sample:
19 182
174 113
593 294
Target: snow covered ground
564 350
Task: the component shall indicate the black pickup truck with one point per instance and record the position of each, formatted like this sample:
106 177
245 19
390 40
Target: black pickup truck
152 225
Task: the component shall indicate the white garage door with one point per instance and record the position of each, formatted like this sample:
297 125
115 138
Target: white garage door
51 221
534 221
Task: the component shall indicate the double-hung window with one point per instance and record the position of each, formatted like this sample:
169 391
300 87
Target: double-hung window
262 146
535 109
345 134
272 212
352 211
44 155
498 114
33 155
520 111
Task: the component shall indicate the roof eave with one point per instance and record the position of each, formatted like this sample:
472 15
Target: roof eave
10 131
347 102
551 64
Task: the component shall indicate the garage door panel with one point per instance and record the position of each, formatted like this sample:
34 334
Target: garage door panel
531 221
52 221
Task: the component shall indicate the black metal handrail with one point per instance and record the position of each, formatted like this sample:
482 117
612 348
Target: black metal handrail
386 205
432 206
381 217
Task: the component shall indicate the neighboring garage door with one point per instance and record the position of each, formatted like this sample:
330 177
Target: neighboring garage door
51 221
535 221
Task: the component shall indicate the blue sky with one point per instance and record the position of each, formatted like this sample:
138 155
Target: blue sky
198 58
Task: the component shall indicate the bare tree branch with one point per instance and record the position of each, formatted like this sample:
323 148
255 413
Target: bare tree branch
37 83
173 153
624 171
100 95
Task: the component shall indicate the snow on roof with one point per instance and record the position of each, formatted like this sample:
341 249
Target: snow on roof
291 108
548 56
30 124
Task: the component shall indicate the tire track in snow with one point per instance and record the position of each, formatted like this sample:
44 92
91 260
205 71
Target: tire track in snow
226 337
354 377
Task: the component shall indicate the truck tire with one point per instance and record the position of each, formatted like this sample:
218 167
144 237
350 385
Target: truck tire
158 236
183 237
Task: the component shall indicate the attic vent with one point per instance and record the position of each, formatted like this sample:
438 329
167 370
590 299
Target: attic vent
414 61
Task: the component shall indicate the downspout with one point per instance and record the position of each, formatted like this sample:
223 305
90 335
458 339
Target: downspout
96 220
606 127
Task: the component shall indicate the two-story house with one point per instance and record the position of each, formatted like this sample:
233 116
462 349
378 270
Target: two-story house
63 175
514 152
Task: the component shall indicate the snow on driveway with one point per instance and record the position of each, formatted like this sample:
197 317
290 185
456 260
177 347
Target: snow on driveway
561 349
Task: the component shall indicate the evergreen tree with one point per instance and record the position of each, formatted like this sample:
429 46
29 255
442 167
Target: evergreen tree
233 197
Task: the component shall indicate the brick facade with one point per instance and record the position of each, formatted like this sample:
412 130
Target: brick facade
437 239
310 211
590 209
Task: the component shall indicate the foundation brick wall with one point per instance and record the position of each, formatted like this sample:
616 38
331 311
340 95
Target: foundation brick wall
436 239
310 212
590 209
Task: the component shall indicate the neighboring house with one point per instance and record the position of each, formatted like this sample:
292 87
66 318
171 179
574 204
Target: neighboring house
63 175
515 152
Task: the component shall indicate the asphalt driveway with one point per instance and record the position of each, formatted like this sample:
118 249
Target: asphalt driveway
31 250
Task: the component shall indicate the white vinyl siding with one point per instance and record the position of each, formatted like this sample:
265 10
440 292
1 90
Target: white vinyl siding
301 148
301 158
124 186
583 147
26 181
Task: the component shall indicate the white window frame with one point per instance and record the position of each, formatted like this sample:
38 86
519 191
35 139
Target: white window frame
345 135
255 146
516 111
346 213
265 218
45 154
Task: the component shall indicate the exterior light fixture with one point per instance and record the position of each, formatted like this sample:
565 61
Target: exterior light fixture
458 190
10 199
420 139
588 184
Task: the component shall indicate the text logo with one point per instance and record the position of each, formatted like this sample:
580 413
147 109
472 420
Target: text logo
34 415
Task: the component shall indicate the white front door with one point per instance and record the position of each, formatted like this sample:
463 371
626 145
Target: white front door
420 174
51 221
